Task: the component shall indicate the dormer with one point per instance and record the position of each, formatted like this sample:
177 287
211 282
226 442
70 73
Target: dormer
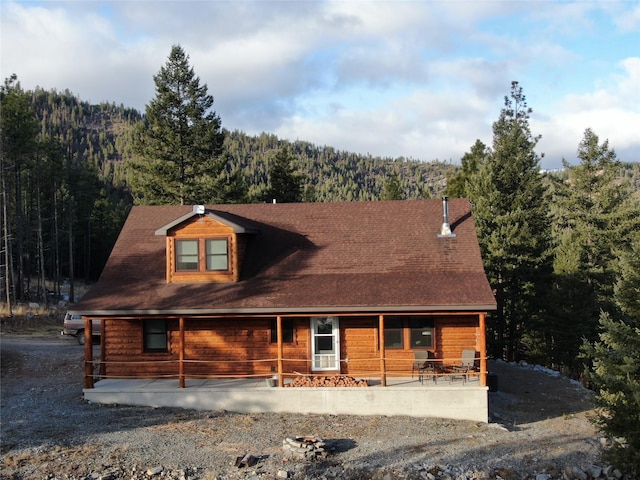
204 246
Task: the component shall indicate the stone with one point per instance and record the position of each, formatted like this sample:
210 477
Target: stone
594 471
577 473
543 476
282 474
604 442
154 471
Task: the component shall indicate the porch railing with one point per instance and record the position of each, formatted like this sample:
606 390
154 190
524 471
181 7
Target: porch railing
435 369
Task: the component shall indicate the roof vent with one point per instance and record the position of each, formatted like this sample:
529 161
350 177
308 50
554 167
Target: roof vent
198 209
445 230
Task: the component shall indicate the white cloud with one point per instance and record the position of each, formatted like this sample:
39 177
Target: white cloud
413 79
612 112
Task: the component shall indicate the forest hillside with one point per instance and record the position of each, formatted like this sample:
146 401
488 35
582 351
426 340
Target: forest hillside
77 198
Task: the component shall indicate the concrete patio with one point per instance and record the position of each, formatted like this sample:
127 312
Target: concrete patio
446 398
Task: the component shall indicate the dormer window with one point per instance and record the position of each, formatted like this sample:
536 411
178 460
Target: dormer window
214 259
205 246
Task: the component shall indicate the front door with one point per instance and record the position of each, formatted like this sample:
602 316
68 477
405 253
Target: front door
325 344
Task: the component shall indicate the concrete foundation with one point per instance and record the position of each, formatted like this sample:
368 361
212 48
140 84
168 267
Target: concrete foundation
466 401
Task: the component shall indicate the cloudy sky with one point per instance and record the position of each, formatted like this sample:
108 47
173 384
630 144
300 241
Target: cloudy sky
418 79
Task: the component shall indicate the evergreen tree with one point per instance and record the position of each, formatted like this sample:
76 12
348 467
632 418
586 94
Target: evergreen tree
18 131
285 185
511 215
392 189
593 216
180 141
616 365
470 162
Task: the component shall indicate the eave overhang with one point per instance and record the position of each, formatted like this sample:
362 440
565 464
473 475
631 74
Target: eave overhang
287 311
234 225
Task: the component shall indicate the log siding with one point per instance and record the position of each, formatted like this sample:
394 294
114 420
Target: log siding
242 347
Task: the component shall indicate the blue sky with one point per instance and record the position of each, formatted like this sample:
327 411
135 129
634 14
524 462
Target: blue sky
417 79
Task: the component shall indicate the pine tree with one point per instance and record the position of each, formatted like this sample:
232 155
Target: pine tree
392 189
470 162
511 215
285 185
180 141
616 365
593 216
18 131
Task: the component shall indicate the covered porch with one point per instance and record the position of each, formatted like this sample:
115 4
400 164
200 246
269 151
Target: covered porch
455 398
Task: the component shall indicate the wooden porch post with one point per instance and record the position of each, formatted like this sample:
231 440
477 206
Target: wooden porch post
383 366
483 350
103 348
88 353
280 351
181 362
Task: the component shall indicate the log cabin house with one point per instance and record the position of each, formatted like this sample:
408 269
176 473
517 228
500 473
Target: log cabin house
280 291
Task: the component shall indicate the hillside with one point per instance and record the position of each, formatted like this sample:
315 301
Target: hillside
101 137
73 194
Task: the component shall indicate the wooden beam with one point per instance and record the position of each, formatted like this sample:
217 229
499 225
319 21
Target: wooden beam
280 351
181 347
88 353
103 347
483 349
383 366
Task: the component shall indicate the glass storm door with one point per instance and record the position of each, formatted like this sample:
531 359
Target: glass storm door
325 344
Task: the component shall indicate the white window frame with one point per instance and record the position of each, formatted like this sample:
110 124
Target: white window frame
325 360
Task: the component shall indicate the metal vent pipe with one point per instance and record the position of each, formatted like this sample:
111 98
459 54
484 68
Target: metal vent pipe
445 230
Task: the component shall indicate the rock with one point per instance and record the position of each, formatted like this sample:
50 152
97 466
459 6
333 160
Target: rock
575 473
334 472
594 471
543 476
498 426
282 474
154 471
247 460
604 442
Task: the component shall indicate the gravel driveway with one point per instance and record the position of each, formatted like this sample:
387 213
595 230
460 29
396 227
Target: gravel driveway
541 431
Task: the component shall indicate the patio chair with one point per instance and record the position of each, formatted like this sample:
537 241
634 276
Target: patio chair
428 368
419 358
466 366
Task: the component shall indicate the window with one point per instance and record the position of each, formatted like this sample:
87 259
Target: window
186 255
215 258
217 254
420 332
393 332
155 335
287 330
416 332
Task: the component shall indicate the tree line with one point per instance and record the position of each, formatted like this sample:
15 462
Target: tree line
560 249
562 253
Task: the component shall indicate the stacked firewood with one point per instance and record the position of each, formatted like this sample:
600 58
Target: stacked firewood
334 381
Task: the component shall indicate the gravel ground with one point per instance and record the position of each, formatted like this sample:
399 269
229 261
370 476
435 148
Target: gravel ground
540 430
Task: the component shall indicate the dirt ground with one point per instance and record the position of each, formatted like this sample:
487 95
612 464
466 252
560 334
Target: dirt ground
539 426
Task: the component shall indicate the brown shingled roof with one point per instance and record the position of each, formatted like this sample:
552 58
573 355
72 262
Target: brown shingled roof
307 257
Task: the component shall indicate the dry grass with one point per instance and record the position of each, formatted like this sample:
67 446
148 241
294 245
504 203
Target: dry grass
26 320
36 318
